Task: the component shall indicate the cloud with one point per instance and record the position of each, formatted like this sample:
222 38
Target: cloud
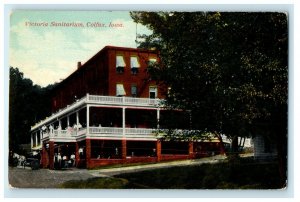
47 55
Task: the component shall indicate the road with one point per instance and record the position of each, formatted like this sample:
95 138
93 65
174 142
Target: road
45 178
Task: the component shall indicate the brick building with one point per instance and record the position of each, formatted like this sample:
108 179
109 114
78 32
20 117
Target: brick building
107 112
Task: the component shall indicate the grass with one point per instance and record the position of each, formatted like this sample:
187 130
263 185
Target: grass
128 165
246 174
96 183
121 165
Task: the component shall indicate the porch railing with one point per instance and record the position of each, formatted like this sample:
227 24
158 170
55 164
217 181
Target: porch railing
102 132
105 130
108 132
104 100
123 100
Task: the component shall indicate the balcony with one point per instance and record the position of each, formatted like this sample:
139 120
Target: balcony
101 100
102 133
123 101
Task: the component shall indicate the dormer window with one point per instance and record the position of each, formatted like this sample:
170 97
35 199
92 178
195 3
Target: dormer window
120 64
134 64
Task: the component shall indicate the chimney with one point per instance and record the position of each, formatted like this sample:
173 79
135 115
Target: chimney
78 65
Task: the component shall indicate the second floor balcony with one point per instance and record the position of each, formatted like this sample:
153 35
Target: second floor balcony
97 100
100 132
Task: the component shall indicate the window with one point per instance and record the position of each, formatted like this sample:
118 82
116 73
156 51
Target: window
152 92
134 64
151 61
120 91
133 90
120 64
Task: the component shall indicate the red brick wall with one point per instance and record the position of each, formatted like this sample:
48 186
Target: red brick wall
141 79
169 157
158 150
103 162
51 155
124 149
98 76
191 149
77 158
90 78
45 157
88 153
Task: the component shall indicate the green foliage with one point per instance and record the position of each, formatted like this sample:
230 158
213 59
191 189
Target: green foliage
28 104
229 69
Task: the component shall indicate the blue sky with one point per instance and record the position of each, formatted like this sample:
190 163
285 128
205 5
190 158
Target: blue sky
47 54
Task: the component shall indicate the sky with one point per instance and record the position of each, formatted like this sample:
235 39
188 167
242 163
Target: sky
47 54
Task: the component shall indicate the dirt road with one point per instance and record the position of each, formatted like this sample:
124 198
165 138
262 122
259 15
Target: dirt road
45 178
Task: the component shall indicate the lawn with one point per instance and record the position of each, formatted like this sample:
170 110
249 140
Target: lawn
246 174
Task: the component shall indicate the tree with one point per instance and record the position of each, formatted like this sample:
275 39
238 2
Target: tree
28 103
229 69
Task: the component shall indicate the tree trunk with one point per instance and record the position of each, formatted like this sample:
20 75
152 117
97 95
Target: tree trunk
222 147
235 146
281 144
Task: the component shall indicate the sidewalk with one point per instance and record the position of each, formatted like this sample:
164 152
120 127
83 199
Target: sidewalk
108 172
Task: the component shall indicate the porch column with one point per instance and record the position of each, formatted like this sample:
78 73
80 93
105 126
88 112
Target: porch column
123 121
51 155
158 150
77 157
59 123
31 140
36 139
41 137
77 118
191 149
68 121
87 117
124 149
158 117
44 156
88 152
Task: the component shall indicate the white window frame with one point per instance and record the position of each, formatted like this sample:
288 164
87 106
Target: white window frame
153 89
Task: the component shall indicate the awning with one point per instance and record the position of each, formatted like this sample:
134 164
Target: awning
120 90
134 63
120 61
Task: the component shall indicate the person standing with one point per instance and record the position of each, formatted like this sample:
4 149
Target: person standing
72 157
59 160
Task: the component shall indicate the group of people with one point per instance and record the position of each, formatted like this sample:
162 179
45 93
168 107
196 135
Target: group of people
63 161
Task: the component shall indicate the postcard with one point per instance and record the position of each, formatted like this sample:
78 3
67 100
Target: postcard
148 100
